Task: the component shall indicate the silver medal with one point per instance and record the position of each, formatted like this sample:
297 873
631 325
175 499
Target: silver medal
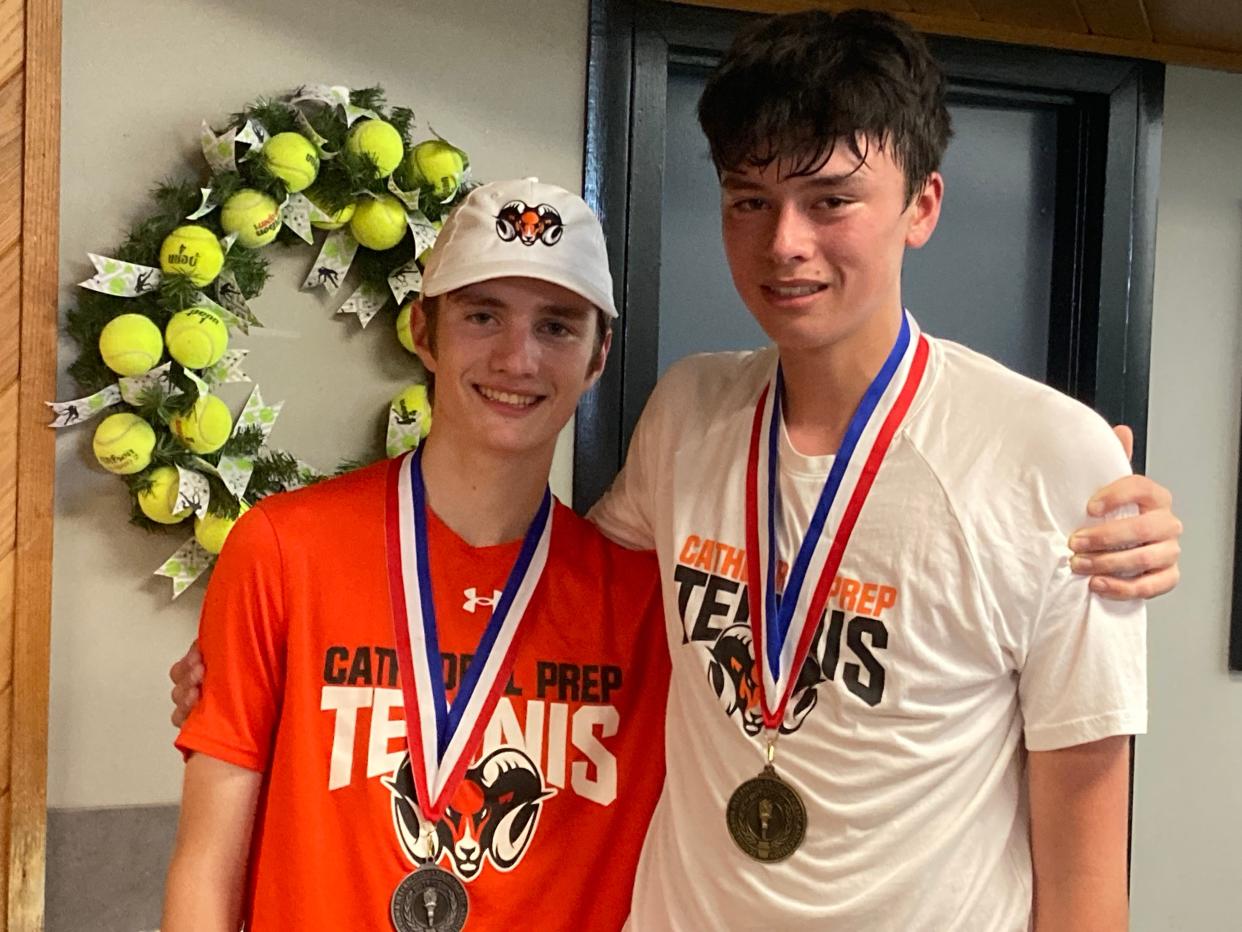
429 900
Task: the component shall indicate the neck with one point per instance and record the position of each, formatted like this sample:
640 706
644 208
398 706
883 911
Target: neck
484 497
824 385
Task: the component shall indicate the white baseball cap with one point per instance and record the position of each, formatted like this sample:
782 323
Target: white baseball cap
524 229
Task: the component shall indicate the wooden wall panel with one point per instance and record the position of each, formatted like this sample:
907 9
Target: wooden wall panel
952 9
12 92
12 98
1121 19
10 317
1061 15
29 122
893 6
8 565
1211 40
6 804
12 24
8 474
1208 24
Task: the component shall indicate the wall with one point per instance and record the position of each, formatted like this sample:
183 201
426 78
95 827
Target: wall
1188 789
502 79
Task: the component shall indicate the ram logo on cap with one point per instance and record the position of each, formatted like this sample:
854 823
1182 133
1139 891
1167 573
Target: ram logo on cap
529 224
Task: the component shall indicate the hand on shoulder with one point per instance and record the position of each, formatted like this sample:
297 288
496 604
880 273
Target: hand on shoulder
1132 557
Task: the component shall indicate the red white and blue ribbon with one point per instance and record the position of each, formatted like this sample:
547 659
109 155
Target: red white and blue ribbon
443 738
783 626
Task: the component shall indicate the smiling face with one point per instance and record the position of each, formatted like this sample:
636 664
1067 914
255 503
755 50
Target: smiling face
817 257
511 358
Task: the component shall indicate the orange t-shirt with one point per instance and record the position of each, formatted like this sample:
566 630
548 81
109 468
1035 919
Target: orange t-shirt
302 685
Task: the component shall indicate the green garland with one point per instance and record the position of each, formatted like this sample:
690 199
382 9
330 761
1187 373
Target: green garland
343 178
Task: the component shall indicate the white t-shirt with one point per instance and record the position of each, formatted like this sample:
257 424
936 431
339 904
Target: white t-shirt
955 636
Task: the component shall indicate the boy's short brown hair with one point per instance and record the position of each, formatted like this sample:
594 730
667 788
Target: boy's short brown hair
791 87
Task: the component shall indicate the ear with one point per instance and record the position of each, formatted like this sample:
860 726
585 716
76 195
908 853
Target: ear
924 211
422 339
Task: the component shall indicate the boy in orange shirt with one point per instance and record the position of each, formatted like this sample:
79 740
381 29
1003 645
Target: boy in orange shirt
436 692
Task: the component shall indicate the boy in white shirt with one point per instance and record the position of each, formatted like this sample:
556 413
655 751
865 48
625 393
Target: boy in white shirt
894 706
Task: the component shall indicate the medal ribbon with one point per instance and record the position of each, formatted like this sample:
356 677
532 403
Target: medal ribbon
443 738
783 628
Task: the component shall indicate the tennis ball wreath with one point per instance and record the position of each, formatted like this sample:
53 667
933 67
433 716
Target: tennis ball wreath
205 427
434 164
196 337
211 530
253 216
405 336
414 402
130 344
380 141
335 220
123 444
157 501
379 223
293 159
193 251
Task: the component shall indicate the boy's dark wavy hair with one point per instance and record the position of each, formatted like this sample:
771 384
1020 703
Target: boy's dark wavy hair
791 87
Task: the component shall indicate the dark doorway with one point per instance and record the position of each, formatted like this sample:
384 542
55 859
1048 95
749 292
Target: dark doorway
1043 258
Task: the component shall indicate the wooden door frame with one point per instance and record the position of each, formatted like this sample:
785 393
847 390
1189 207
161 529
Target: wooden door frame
37 307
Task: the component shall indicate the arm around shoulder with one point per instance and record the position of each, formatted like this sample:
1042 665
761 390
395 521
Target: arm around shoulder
1079 808
207 875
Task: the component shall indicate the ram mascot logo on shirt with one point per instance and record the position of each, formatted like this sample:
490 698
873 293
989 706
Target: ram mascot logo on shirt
492 817
732 673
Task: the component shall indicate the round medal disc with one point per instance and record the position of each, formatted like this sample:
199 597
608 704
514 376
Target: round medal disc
429 900
766 817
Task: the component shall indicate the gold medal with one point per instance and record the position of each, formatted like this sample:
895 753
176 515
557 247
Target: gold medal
766 816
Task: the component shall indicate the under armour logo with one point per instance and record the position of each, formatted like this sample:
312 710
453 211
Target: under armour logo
474 600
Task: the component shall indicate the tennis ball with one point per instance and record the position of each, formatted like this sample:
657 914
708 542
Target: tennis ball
193 251
205 427
380 141
196 337
211 531
123 444
130 344
336 221
404 335
253 216
158 500
434 164
293 159
414 402
379 222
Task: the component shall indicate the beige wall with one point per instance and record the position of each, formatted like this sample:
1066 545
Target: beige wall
1188 792
502 78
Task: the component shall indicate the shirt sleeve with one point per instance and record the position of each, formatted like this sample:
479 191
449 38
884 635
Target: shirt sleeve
242 636
1083 668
